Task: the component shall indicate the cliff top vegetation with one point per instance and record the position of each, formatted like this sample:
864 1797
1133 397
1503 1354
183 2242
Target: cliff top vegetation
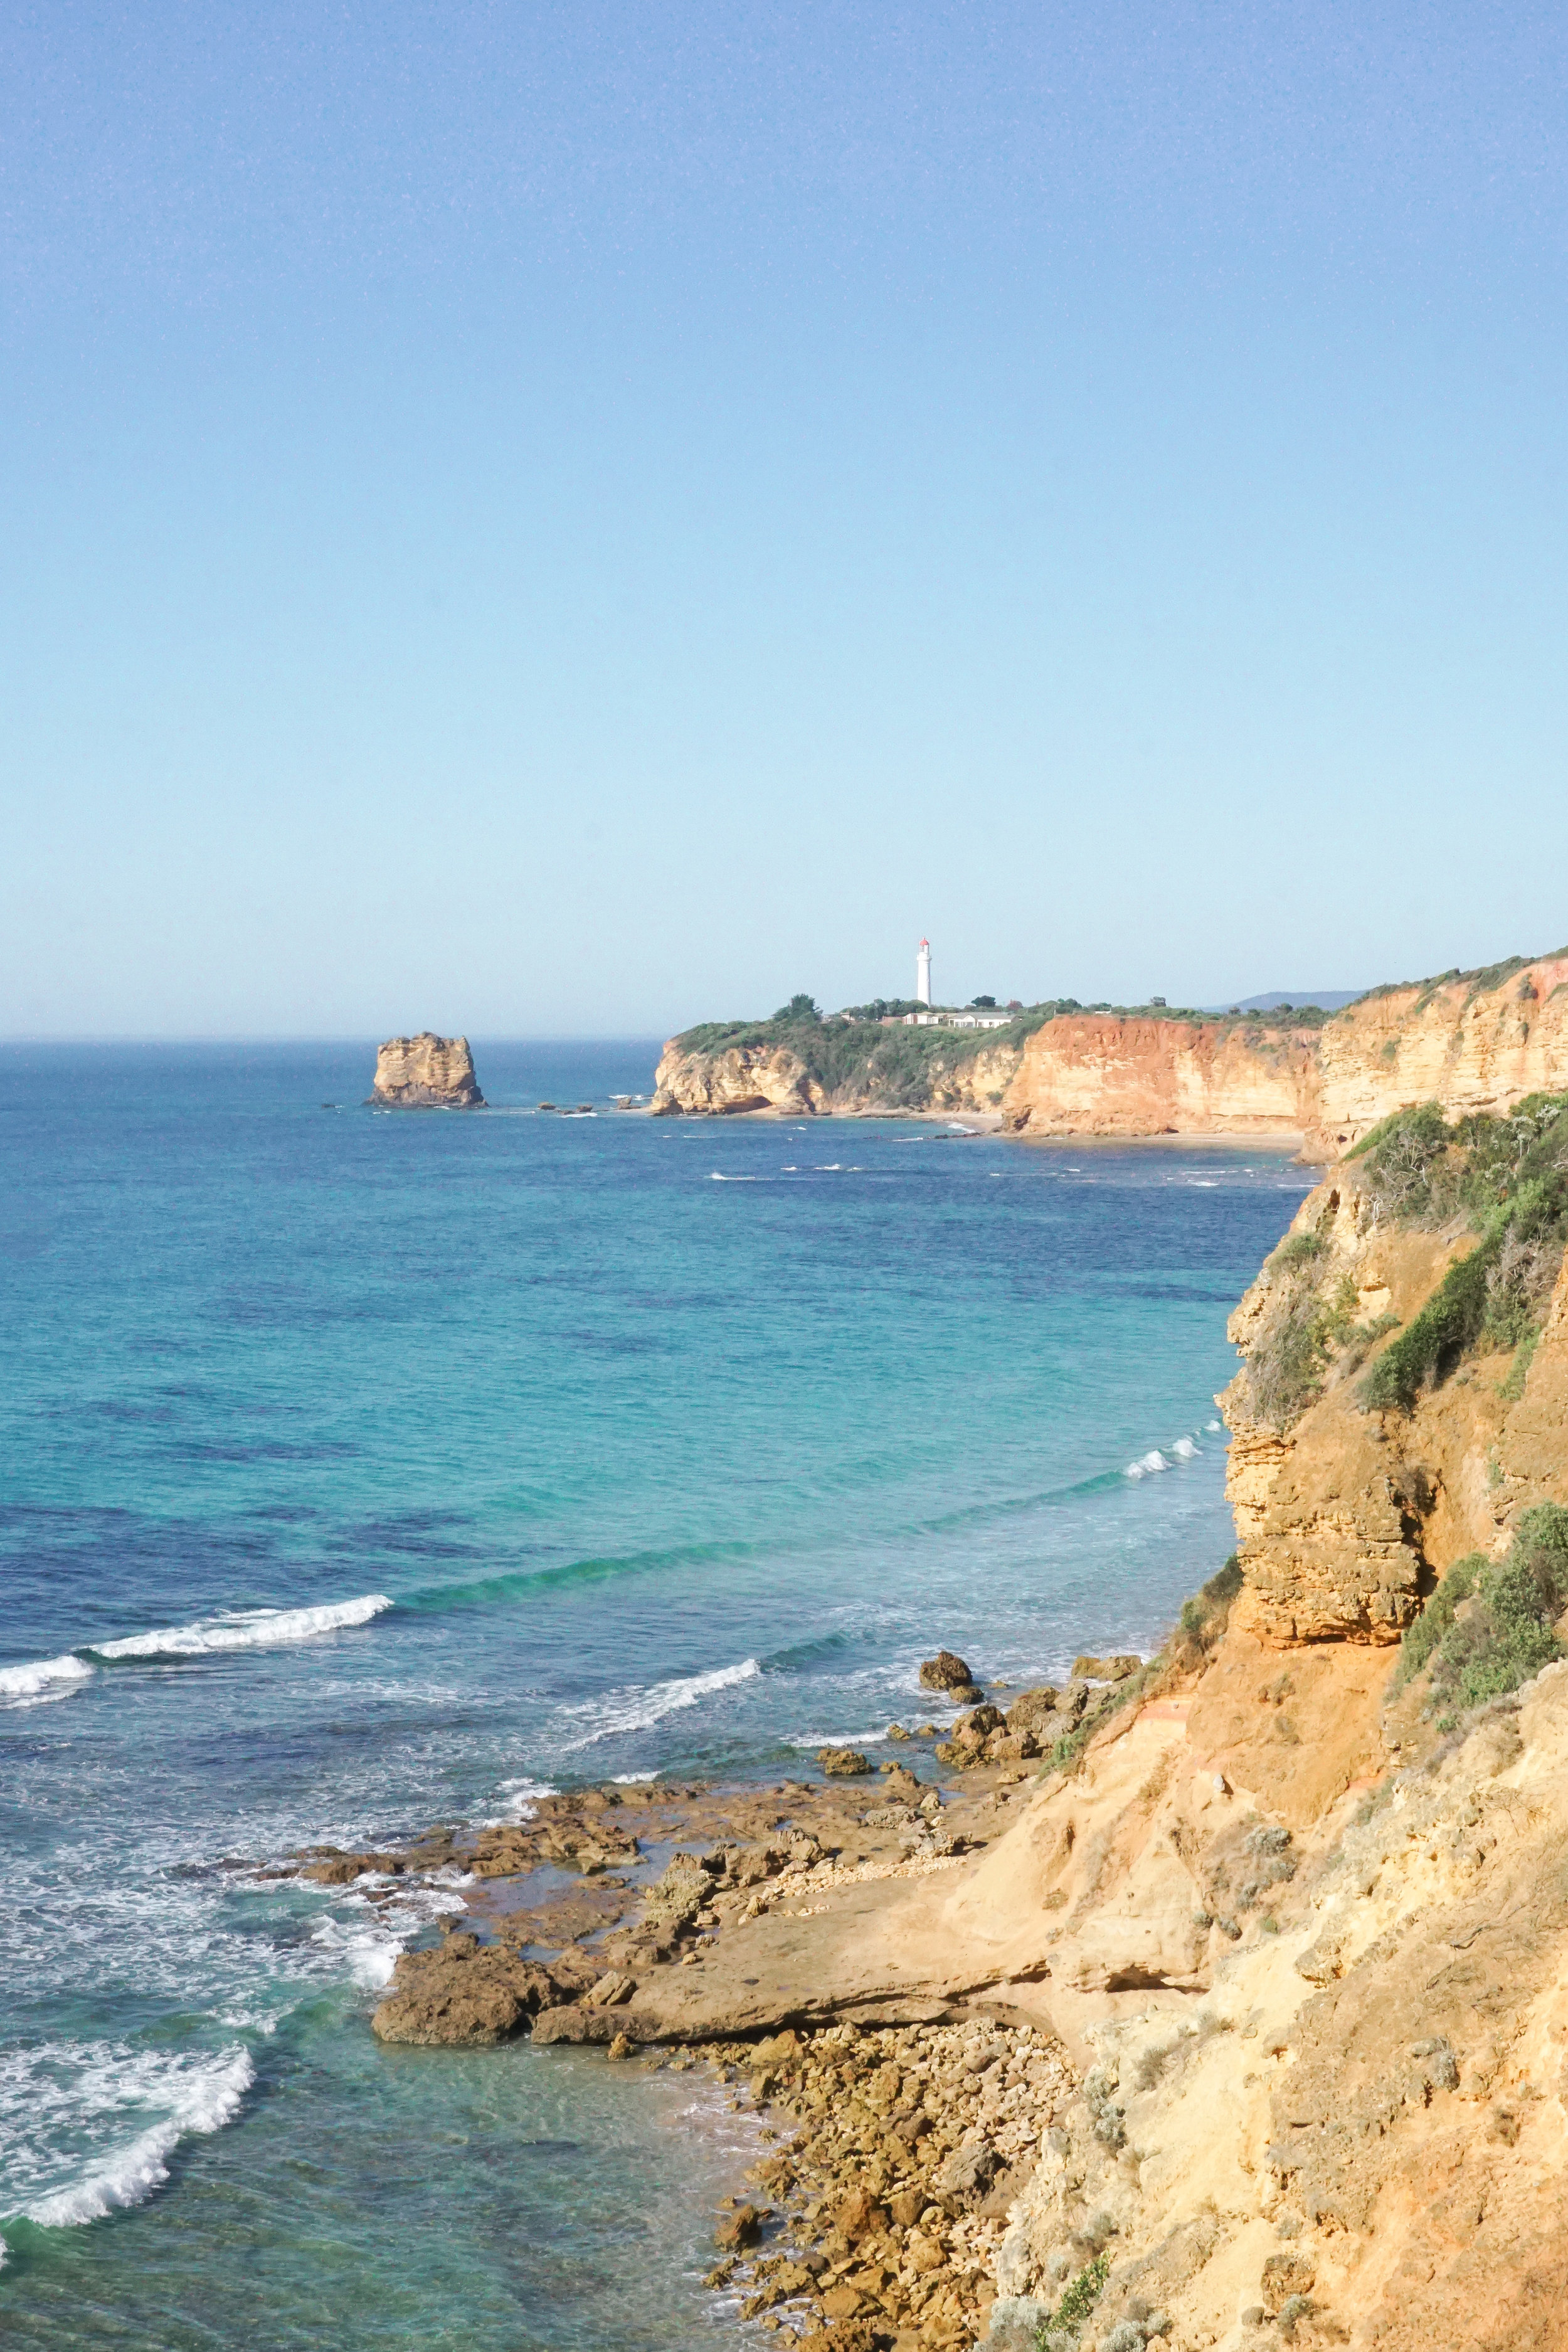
801 1026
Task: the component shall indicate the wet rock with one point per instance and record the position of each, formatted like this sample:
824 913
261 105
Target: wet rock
946 1672
843 1763
981 1723
463 1994
741 2228
621 2047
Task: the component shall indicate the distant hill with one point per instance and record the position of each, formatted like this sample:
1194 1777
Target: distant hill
1331 999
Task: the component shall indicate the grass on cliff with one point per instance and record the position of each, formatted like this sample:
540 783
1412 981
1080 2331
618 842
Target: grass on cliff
1507 1180
1488 1629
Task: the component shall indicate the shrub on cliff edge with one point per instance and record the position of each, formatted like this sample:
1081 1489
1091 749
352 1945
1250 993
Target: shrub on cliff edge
1505 1635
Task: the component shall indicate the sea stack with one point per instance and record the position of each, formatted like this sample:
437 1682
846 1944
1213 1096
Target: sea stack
426 1073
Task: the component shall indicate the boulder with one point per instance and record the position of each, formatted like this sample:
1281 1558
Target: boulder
741 2228
1030 1709
1105 1670
425 1073
462 1995
845 1763
946 1671
960 2184
980 1725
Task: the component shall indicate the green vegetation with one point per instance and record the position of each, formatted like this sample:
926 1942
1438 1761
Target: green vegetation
1476 982
1204 1616
1506 1179
903 1068
1078 2299
1285 1367
1487 1629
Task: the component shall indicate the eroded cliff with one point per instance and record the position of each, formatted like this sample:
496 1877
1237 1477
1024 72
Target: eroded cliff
1472 1042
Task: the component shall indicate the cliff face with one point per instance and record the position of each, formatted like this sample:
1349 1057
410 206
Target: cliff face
426 1073
742 1078
1106 1074
1470 1047
1473 1044
1344 1520
773 1078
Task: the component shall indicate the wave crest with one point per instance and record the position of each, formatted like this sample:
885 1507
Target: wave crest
44 1678
635 1710
244 1629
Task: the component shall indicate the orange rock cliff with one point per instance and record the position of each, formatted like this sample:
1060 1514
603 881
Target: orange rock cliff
1471 1042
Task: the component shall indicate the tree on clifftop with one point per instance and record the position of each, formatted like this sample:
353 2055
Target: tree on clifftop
799 1008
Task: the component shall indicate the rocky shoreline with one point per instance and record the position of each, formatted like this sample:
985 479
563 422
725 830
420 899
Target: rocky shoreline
907 2127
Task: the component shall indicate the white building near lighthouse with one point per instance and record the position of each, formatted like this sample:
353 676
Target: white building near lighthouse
922 973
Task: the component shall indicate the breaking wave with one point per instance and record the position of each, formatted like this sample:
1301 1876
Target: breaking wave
46 1678
635 1710
244 1629
199 2096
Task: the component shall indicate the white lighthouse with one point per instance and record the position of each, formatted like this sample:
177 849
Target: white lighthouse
922 973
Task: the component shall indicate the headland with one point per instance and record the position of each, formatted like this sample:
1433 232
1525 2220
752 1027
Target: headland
1472 1042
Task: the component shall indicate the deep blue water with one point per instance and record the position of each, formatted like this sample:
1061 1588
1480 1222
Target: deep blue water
631 1446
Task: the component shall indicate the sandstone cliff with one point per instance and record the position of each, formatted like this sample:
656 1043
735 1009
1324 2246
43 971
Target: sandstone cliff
1474 1041
426 1073
698 1083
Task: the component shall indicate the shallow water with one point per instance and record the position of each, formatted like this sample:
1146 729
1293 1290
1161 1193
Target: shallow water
560 1449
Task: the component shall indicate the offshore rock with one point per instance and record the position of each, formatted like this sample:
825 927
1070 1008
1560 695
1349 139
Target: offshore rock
426 1073
946 1671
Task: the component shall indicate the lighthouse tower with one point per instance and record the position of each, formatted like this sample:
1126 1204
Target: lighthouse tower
922 973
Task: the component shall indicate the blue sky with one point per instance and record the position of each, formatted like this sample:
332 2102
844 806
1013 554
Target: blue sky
574 519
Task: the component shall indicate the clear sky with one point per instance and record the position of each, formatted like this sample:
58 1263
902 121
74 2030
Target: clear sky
571 520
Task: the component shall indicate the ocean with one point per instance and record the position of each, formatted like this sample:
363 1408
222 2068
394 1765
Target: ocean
365 1470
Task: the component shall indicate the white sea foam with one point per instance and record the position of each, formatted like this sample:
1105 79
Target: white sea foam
45 1679
520 1796
632 1780
1183 1449
1211 1424
635 1710
717 1179
1147 1465
244 1629
88 2087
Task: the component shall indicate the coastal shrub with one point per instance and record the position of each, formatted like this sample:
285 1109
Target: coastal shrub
1285 1366
1449 1324
1505 1636
1298 1250
1081 2296
1205 1612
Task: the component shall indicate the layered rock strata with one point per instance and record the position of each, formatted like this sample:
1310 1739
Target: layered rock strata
425 1073
1468 1044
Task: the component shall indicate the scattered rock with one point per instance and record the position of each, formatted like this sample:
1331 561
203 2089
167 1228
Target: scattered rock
845 1763
621 2047
1105 1670
947 1671
960 2184
741 2228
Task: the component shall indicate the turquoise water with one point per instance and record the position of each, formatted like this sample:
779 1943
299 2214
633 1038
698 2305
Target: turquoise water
563 1448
